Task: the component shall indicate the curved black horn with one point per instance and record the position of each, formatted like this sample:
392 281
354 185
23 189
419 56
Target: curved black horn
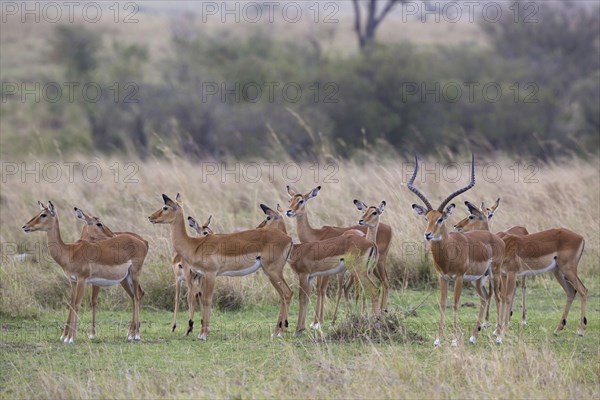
414 189
459 191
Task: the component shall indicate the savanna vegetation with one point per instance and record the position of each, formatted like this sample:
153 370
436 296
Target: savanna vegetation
354 131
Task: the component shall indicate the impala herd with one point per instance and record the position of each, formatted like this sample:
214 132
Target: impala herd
356 255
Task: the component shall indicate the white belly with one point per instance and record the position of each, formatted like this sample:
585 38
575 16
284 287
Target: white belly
242 272
530 272
341 267
103 282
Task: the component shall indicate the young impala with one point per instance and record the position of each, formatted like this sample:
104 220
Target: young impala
306 233
103 263
95 230
457 256
349 251
235 254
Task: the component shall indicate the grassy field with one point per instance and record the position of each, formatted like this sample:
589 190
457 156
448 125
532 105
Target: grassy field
240 359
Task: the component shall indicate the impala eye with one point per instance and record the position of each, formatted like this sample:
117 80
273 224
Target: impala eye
44 215
165 208
99 225
301 201
268 218
440 220
471 216
375 213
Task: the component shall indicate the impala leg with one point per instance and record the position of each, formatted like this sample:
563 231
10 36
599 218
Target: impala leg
207 299
524 311
457 292
385 283
570 292
483 306
191 298
67 329
577 286
488 300
176 305
443 298
338 296
303 296
508 296
285 294
95 291
79 291
498 287
321 289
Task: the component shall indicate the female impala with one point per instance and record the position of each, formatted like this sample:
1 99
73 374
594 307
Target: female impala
306 233
458 256
480 220
104 263
235 254
95 230
557 250
183 273
328 257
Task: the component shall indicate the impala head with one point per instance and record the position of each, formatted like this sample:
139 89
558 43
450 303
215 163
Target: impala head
168 212
94 228
203 229
43 221
273 219
478 218
298 200
435 218
371 214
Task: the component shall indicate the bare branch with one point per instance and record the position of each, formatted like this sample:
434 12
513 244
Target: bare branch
388 7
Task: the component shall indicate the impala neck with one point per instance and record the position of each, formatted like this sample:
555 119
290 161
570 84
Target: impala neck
372 233
305 232
58 250
183 243
439 248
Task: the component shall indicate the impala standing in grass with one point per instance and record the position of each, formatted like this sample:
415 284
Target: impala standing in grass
95 230
349 251
235 254
103 263
306 233
457 256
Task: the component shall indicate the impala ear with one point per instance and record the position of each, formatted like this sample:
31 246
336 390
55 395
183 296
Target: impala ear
382 207
178 198
166 199
51 208
266 209
41 205
313 193
81 215
193 224
360 205
494 208
472 208
291 190
207 223
449 210
279 209
419 210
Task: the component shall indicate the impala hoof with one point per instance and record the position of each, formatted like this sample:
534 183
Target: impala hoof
437 343
523 322
454 343
130 338
92 337
472 339
298 333
485 325
277 335
316 326
202 336
137 338
499 340
580 332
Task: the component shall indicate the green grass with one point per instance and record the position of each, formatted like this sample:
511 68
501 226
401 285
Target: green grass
241 360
